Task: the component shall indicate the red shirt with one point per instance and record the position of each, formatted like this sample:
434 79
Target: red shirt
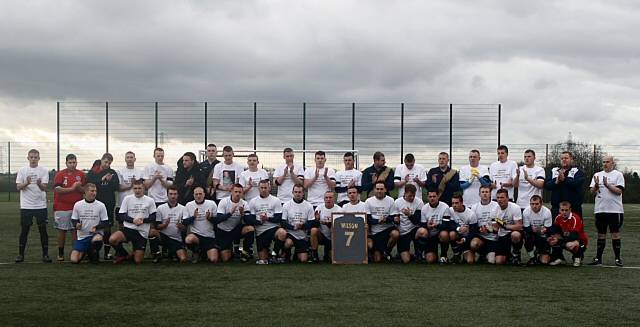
66 178
571 225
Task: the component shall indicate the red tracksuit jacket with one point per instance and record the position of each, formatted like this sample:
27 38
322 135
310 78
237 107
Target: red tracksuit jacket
572 225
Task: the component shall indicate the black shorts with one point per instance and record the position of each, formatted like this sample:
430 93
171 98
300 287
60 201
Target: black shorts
302 246
225 239
503 247
323 240
449 226
263 241
432 243
26 216
138 242
381 239
539 242
206 243
404 242
609 219
488 246
170 244
466 246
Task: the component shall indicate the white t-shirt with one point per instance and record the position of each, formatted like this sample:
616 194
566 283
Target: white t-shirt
464 218
380 209
124 176
174 215
401 172
344 178
256 177
509 215
326 216
537 219
32 197
486 215
607 201
227 175
201 226
405 223
294 213
434 215
270 206
285 189
315 193
470 174
89 215
157 192
525 189
141 207
503 172
224 207
360 207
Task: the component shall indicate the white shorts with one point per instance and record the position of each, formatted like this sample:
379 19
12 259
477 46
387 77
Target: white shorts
62 220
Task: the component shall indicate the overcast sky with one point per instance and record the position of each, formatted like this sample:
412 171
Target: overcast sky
555 66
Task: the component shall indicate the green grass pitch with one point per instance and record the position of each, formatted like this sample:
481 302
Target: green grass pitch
61 294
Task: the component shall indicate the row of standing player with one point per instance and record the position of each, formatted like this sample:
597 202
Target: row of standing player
564 181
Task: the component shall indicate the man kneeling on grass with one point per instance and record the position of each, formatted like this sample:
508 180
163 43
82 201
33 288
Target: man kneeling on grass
137 212
567 233
89 216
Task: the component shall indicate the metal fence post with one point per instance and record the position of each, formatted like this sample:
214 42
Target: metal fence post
255 126
546 155
9 169
205 124
401 132
58 136
156 125
450 133
106 119
499 121
353 126
304 133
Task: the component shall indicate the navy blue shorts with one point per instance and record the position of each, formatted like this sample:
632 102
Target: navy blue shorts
503 247
302 246
381 239
83 245
539 242
432 243
404 242
488 246
26 216
138 242
206 243
225 239
170 244
611 220
263 241
448 225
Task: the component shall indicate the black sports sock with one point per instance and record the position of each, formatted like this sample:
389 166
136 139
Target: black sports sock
247 242
444 249
120 251
517 247
236 246
154 245
44 239
277 246
602 243
419 244
616 247
61 251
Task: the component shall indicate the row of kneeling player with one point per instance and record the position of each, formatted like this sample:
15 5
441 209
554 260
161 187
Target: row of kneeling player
490 231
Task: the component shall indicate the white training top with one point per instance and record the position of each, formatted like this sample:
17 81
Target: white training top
224 207
405 223
326 216
256 177
286 188
380 209
343 178
294 213
201 226
141 207
525 189
174 216
90 214
607 201
227 175
269 206
503 172
32 197
124 176
401 172
157 192
315 192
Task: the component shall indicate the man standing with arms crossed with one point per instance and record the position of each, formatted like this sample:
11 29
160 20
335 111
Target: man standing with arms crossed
565 184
